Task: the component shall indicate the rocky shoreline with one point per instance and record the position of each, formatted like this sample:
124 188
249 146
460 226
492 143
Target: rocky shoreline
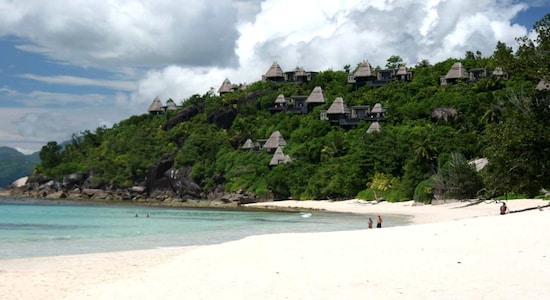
79 187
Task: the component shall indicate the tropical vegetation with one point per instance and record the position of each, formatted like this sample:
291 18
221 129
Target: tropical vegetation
415 155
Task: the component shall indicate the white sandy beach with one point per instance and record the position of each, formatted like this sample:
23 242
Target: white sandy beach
454 251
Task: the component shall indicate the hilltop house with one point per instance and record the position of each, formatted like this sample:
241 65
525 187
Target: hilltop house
316 97
227 87
274 144
250 145
299 104
157 108
274 141
279 157
299 75
347 116
366 75
458 72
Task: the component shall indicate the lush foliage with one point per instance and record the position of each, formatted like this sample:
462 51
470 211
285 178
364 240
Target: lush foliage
14 165
415 155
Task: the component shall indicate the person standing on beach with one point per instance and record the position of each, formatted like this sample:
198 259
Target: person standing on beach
370 222
379 222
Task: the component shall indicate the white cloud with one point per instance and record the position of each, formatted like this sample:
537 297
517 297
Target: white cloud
30 128
135 33
330 34
82 81
61 100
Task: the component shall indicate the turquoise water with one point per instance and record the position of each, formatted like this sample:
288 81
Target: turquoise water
32 227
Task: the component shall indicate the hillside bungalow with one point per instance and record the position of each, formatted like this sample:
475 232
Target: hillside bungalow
339 113
337 110
377 113
156 107
250 145
274 73
366 75
316 97
387 75
458 73
170 105
479 73
274 141
299 75
227 87
403 74
298 104
279 158
294 104
280 104
374 127
363 75
274 144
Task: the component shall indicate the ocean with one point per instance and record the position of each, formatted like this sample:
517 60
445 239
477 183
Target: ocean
35 227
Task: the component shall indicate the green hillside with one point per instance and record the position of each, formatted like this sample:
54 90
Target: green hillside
14 165
429 133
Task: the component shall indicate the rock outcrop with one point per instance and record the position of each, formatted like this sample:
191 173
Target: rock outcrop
223 118
164 185
182 116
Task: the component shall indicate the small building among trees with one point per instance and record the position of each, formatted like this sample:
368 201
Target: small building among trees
458 73
343 115
276 74
156 107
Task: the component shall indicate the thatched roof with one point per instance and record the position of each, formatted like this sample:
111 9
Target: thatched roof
280 99
401 71
377 108
316 96
275 140
338 107
274 71
226 86
543 85
364 70
248 144
279 157
457 71
156 106
374 126
170 105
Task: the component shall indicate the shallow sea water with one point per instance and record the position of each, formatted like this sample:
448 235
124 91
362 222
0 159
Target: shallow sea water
34 227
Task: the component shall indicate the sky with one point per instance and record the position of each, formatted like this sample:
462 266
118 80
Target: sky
69 66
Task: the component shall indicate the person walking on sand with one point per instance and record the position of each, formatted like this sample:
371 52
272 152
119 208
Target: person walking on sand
370 222
379 222
503 209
